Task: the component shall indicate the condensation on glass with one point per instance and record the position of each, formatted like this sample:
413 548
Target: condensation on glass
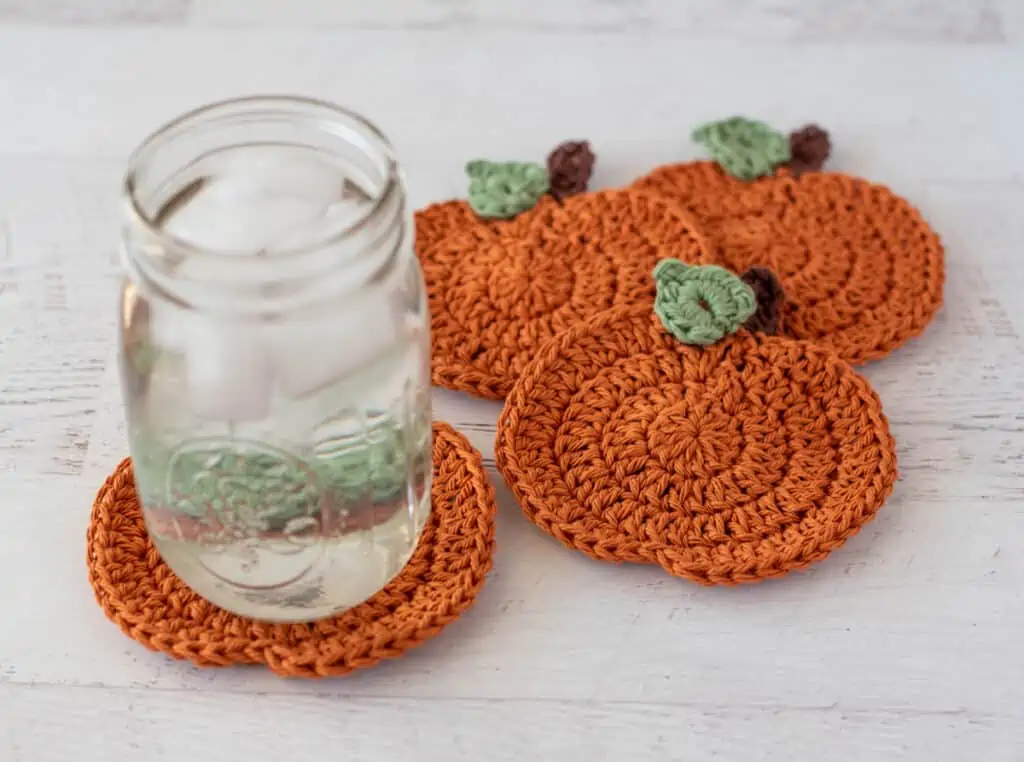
275 356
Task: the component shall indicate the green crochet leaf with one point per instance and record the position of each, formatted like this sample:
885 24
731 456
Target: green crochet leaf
501 190
700 304
745 148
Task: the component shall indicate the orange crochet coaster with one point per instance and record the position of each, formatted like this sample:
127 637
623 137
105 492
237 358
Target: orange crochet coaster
499 290
150 604
724 464
863 272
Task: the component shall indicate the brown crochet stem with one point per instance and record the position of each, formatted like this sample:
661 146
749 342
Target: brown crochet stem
770 300
725 464
570 166
809 148
497 292
862 271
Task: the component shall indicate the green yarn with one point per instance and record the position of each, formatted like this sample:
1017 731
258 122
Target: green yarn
745 148
504 189
273 486
700 304
257 484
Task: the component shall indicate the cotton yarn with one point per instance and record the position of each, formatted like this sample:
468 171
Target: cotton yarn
504 189
725 464
744 148
770 296
699 304
862 271
570 166
499 290
141 594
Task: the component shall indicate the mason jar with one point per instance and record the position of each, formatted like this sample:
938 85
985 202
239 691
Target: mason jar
275 356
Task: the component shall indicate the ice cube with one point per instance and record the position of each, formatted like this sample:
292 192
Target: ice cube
250 205
229 224
307 354
318 227
279 171
228 371
250 201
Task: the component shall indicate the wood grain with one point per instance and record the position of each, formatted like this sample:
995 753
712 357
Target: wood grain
94 12
788 20
905 645
168 726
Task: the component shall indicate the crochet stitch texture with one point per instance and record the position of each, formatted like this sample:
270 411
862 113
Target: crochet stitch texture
725 464
499 290
770 298
140 593
745 148
570 166
504 189
699 304
862 271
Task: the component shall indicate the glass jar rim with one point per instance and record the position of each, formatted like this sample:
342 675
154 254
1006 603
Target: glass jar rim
282 104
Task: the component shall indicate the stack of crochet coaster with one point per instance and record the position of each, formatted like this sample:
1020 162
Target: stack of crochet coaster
499 289
862 271
651 414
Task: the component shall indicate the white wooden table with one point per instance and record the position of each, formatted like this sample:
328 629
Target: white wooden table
907 644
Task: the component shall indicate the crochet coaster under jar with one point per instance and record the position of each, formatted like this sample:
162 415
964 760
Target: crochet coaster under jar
863 272
499 289
138 591
728 463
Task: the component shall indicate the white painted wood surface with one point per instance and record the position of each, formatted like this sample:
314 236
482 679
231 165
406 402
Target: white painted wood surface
906 645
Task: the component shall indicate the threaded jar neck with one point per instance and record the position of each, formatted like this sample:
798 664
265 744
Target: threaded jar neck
261 205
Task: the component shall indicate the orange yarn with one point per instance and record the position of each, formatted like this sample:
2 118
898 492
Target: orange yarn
724 464
499 290
862 271
436 222
142 595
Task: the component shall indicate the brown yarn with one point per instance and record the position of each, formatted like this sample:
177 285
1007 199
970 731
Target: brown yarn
862 271
498 291
140 593
770 299
809 148
730 463
570 166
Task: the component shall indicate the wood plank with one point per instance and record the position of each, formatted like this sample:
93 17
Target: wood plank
911 21
100 724
636 97
94 12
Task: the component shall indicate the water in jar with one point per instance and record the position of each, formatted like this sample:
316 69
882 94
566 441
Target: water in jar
283 460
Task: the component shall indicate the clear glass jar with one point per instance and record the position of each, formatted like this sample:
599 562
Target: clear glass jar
275 356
